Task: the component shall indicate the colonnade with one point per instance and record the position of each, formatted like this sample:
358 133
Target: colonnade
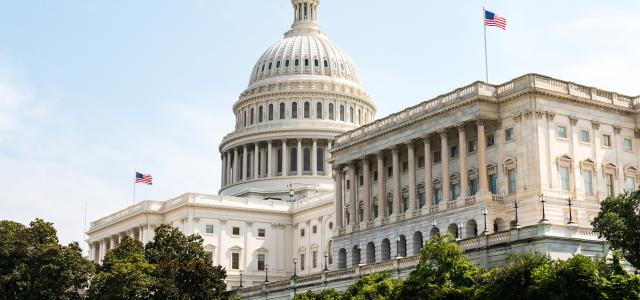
271 158
351 168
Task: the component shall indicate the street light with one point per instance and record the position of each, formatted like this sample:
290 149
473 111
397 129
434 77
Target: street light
326 267
543 200
516 205
266 273
485 212
570 214
295 267
240 278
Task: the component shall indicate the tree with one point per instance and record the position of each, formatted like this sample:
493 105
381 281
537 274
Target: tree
444 272
514 280
619 223
125 273
181 268
33 265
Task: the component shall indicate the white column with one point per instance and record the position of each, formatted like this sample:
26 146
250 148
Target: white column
462 146
269 159
256 160
314 158
299 152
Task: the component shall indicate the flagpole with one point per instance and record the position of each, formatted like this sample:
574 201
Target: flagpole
486 60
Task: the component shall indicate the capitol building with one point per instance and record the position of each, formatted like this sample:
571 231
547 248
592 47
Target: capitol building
315 191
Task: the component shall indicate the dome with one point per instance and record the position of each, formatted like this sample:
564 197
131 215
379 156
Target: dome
305 50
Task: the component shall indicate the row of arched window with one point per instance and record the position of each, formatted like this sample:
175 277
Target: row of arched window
250 117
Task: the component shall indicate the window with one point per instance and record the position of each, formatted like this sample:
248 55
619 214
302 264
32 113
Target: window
260 113
306 159
628 144
472 146
302 262
331 112
261 232
562 132
342 113
437 157
421 162
606 140
508 134
314 229
587 179
293 160
261 259
236 231
390 172
282 114
491 140
270 116
375 175
320 159
454 151
314 259
306 110
455 189
630 182
493 184
279 161
473 186
302 232
511 174
609 184
585 137
564 178
208 229
208 256
405 166
437 195
235 261
294 110
318 110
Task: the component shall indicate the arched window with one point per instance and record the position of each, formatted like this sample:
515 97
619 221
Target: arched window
306 159
351 114
319 110
306 110
293 160
279 161
342 113
260 114
320 159
245 118
294 110
286 63
252 112
270 112
282 111
331 113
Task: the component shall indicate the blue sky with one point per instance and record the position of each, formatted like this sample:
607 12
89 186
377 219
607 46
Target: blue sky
92 90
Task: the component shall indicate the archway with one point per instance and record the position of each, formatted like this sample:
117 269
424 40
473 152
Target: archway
371 253
385 250
417 242
342 258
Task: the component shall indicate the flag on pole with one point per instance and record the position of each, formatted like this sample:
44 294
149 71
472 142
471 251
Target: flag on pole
144 178
491 19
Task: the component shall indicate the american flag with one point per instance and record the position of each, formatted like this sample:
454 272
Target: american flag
144 178
491 19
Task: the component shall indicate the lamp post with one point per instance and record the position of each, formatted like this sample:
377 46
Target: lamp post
516 204
295 267
485 212
570 214
460 227
326 266
266 273
240 278
544 216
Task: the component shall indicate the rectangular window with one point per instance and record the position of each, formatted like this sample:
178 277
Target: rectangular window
628 144
491 140
375 175
261 259
606 140
261 232
609 184
314 259
390 172
302 262
437 195
630 182
493 184
473 186
455 188
437 157
235 261
314 229
587 178
236 230
585 137
508 134
405 166
208 255
511 174
455 151
208 229
302 232
564 178
562 132
421 162
472 146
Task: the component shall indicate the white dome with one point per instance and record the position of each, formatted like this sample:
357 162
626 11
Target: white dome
304 50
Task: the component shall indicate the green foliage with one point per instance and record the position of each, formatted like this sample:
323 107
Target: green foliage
443 273
181 268
619 223
124 274
33 265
